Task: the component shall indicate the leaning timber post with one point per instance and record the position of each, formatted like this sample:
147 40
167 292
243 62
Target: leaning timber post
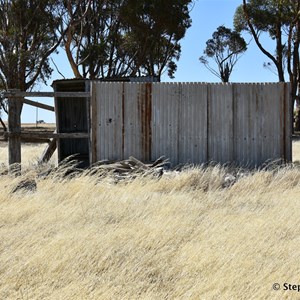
14 132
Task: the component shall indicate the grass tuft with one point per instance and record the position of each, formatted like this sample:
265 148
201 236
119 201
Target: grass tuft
203 233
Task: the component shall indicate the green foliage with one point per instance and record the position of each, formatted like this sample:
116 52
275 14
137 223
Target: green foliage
28 35
225 49
280 20
264 15
156 27
129 37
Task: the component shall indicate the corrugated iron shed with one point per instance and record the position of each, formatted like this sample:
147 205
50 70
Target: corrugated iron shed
187 122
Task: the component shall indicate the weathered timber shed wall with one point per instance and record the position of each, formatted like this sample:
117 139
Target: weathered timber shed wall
191 122
72 116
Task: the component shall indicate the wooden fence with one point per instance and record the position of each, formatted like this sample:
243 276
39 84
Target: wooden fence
16 99
191 122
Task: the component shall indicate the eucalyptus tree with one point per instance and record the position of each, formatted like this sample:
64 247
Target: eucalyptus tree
224 48
280 21
127 37
28 36
155 28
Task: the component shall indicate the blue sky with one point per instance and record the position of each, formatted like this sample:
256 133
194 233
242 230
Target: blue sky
206 15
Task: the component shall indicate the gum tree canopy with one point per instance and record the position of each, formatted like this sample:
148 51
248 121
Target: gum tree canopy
225 48
28 35
280 21
125 38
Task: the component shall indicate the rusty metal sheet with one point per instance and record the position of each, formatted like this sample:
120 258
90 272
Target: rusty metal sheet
132 124
165 109
258 121
244 113
109 111
288 121
270 133
193 122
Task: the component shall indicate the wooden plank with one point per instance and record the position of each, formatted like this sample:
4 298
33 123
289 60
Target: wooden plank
57 122
48 152
3 124
93 124
34 134
38 104
72 117
11 94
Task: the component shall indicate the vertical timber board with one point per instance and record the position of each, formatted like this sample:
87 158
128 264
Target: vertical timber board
165 110
132 124
88 104
72 116
57 122
192 123
220 123
109 127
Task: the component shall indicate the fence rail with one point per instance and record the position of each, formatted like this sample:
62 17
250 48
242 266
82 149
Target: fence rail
16 99
48 135
18 94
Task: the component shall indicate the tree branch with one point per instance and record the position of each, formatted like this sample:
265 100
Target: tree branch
254 34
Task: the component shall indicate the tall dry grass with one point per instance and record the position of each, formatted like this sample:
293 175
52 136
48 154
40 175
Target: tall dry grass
30 153
296 151
184 236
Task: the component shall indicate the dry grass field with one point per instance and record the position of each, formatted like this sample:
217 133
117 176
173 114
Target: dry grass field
184 236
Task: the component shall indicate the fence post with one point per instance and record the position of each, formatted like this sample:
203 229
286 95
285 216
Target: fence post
14 132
